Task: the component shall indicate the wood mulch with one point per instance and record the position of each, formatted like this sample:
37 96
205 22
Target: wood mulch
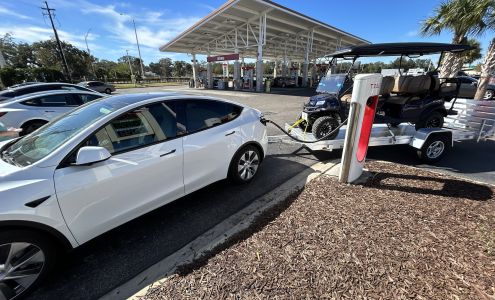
406 233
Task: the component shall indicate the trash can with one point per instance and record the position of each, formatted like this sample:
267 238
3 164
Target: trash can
268 85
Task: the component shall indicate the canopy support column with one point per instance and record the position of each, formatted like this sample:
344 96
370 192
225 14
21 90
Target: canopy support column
259 57
309 48
195 70
209 75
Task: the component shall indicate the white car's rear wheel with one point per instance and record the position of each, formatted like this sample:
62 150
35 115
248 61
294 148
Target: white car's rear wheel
25 258
245 164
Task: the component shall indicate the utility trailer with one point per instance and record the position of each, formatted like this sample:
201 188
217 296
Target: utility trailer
475 120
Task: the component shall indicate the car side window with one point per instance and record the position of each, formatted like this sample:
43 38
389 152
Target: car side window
60 100
203 114
85 98
137 128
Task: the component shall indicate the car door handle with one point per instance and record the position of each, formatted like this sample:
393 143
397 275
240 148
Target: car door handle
169 152
49 111
230 133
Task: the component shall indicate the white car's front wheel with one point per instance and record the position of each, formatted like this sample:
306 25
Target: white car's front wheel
245 164
25 259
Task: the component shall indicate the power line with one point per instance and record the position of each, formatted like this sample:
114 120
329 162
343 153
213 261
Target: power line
48 11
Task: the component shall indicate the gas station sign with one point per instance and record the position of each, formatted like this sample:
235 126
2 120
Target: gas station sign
233 56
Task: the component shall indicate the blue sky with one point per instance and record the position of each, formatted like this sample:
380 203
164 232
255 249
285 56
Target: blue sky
111 31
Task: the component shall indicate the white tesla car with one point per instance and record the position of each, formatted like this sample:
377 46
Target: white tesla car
32 111
110 161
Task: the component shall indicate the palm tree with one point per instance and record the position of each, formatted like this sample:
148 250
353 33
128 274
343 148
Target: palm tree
487 69
463 18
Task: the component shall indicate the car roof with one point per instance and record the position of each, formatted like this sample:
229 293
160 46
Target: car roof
124 100
51 92
40 84
397 49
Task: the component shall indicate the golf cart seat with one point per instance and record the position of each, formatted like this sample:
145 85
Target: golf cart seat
409 87
387 86
442 90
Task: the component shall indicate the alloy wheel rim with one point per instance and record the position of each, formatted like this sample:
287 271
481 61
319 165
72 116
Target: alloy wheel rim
326 129
488 95
20 265
248 165
435 149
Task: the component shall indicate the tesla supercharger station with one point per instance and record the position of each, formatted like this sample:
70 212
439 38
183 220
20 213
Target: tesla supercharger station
362 111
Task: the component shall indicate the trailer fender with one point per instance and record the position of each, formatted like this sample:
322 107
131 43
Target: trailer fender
422 135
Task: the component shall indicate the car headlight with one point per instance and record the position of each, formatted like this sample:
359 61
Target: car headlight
321 102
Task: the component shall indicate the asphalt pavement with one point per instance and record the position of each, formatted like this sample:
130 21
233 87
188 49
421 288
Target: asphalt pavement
103 264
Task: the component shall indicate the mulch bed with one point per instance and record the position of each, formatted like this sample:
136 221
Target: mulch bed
406 233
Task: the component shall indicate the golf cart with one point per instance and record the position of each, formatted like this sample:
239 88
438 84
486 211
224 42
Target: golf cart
419 100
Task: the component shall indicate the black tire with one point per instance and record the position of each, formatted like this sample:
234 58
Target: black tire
323 125
41 247
304 125
108 91
488 95
245 154
432 120
29 127
434 149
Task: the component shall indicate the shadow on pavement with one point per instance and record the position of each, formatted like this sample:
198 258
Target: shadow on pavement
108 261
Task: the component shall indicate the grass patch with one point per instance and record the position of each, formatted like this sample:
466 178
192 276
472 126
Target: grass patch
138 85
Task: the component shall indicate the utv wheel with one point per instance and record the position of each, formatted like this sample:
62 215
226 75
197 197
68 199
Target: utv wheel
25 259
434 149
432 120
245 164
323 126
488 95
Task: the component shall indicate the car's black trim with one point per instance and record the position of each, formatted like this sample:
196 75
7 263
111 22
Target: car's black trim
37 202
65 243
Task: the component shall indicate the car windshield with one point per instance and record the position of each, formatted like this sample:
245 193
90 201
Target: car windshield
331 84
45 140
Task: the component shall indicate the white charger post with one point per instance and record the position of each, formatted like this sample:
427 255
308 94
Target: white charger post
362 111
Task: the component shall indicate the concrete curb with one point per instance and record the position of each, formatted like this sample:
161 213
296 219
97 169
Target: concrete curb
218 234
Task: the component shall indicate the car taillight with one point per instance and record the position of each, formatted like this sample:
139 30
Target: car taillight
2 113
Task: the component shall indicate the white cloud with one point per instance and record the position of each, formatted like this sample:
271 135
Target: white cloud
31 34
9 12
412 33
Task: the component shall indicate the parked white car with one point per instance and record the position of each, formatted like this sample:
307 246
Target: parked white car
108 162
32 111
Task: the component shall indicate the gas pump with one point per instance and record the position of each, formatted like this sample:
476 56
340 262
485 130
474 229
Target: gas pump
248 78
364 100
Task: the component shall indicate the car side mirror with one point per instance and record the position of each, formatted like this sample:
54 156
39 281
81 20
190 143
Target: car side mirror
90 154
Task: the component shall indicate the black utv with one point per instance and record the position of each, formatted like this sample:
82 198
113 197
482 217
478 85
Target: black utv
419 100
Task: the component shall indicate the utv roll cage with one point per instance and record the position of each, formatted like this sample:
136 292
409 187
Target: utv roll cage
410 49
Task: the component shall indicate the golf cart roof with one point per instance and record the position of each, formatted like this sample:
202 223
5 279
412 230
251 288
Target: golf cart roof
398 49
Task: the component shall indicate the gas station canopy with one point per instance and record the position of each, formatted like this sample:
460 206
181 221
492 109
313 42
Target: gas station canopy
249 27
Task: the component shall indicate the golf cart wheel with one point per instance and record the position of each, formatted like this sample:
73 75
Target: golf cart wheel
432 120
304 125
244 166
108 91
26 257
434 149
323 126
488 95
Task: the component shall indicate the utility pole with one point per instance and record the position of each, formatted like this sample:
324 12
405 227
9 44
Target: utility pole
129 61
64 61
89 52
139 50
